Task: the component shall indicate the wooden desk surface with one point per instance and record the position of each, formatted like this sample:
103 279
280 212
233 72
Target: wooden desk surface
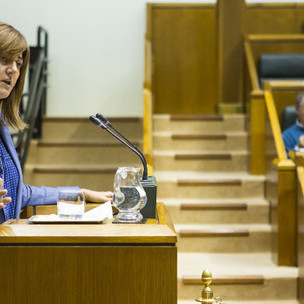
154 231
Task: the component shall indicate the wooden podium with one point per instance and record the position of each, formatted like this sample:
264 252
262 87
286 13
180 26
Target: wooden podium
97 263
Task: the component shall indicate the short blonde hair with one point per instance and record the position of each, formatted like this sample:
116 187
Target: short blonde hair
13 42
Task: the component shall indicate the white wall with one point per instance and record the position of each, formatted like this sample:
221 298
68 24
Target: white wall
96 52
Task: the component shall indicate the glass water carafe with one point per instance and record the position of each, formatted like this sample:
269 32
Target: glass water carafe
129 195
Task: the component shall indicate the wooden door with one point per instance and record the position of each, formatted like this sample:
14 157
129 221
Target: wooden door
184 49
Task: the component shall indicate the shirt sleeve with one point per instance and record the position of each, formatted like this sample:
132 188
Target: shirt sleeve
33 196
289 142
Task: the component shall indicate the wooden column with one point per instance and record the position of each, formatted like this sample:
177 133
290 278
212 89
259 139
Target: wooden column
230 54
284 226
257 131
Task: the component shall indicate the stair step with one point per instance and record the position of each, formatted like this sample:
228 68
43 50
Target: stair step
214 232
231 280
243 302
81 128
216 211
199 123
200 117
191 185
224 238
81 152
237 277
95 178
228 141
204 161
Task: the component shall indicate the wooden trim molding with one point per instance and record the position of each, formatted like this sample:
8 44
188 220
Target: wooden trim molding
203 156
74 170
199 136
217 206
84 144
202 117
200 182
267 38
86 119
224 280
215 232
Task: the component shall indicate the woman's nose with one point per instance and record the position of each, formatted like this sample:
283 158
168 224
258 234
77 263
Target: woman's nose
12 67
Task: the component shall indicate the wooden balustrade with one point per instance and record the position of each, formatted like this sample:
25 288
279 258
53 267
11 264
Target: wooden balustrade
255 45
300 224
281 191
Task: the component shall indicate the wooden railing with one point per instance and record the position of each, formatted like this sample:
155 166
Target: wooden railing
300 224
255 45
148 107
148 63
281 180
274 122
148 135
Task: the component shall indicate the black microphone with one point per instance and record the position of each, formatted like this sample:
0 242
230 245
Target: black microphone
107 123
102 125
148 182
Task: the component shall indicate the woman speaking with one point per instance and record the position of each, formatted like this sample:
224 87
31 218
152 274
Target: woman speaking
14 58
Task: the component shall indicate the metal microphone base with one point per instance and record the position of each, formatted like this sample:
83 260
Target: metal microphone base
149 185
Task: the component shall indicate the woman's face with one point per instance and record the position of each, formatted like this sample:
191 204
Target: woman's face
9 73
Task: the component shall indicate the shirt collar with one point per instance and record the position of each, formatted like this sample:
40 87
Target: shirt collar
300 125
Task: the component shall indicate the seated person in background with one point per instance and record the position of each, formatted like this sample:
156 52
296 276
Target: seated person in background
293 137
15 196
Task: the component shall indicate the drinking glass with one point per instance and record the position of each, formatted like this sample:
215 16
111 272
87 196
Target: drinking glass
70 204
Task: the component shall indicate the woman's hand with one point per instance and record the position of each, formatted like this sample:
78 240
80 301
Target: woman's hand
97 196
3 200
301 141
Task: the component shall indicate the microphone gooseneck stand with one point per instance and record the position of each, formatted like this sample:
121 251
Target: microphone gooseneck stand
148 181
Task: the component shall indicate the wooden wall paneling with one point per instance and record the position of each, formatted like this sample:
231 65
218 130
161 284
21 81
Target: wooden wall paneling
300 17
230 50
283 99
271 18
95 274
274 44
184 51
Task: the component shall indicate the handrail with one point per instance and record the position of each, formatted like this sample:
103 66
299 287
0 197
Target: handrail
29 133
45 47
148 63
46 39
148 107
36 82
33 107
274 121
275 38
37 99
148 135
251 67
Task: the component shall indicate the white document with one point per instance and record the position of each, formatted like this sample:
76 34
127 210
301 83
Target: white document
99 213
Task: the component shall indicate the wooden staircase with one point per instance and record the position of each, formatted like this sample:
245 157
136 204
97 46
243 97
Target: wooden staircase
219 210
74 152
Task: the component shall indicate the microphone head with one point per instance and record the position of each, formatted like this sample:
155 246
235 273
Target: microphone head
103 119
97 122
